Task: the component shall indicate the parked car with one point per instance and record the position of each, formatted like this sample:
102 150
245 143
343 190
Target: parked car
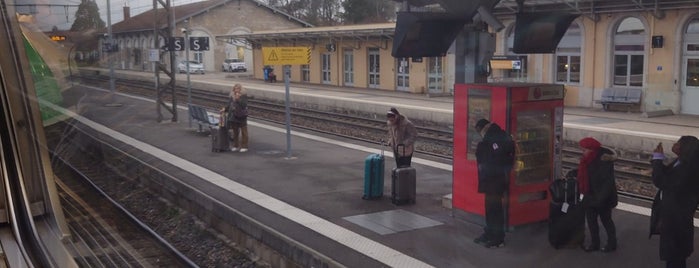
234 65
194 67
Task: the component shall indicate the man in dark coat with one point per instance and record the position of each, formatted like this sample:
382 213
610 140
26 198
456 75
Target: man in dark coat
678 195
495 157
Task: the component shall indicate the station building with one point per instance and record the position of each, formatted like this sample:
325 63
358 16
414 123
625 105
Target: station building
135 36
653 48
656 51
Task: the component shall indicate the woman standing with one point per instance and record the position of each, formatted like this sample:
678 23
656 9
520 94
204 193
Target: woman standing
678 184
598 192
237 109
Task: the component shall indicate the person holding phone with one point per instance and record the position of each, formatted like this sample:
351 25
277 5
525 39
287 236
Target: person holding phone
678 186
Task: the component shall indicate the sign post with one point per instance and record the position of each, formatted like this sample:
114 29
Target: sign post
286 56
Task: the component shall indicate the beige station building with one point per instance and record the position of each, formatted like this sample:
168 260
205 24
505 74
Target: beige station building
620 44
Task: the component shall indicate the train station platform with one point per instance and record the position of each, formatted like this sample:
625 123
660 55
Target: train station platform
315 196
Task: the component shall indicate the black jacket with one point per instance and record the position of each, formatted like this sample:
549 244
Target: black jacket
680 194
495 156
602 193
237 110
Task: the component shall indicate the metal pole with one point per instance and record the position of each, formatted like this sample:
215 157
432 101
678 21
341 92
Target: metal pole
111 46
288 113
189 82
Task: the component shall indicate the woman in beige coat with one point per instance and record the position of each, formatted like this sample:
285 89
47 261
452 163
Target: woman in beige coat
401 137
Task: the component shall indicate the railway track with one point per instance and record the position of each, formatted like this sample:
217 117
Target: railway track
103 234
633 176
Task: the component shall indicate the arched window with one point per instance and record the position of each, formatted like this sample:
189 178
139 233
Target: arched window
568 56
629 53
691 53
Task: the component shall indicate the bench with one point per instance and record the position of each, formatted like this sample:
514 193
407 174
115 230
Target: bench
620 96
202 117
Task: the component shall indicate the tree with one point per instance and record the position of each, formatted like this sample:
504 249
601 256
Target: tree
87 17
368 11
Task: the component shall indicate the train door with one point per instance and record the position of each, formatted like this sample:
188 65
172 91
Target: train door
690 69
402 74
374 68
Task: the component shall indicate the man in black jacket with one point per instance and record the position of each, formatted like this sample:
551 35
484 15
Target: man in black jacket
495 157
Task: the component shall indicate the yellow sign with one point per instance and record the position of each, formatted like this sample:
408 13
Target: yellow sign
286 55
57 37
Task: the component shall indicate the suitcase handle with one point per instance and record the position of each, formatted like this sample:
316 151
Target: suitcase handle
401 145
383 144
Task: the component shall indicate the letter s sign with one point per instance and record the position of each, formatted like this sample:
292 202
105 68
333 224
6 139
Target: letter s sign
178 44
199 43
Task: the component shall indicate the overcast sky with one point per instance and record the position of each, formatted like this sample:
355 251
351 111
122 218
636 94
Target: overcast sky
61 13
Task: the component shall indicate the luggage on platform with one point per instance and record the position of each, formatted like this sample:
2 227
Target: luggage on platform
403 180
219 140
373 176
566 215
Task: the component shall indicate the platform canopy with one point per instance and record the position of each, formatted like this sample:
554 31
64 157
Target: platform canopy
583 7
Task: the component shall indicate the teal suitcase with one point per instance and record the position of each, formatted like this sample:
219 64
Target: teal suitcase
373 176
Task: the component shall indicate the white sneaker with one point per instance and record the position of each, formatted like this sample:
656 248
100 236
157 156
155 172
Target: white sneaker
234 149
242 150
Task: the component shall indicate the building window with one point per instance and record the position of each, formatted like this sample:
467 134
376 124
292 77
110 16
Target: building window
348 67
568 56
325 68
305 73
629 53
199 56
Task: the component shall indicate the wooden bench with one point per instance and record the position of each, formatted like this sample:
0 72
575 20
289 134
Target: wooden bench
202 118
620 96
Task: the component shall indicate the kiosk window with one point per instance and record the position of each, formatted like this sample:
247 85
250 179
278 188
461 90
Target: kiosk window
478 108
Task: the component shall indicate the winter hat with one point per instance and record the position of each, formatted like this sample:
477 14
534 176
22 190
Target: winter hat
481 123
590 143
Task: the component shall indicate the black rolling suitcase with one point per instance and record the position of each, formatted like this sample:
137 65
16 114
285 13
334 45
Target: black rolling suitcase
219 140
403 183
566 215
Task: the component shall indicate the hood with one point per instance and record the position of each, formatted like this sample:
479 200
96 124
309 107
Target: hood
608 154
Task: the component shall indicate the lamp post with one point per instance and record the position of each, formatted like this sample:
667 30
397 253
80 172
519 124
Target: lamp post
189 82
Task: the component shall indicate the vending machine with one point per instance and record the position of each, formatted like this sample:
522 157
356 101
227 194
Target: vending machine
533 115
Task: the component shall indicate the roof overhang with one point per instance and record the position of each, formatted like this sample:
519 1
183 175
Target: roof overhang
383 31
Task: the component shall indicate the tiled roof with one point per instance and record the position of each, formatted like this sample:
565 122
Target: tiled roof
145 20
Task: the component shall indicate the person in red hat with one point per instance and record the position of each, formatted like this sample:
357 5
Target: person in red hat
598 192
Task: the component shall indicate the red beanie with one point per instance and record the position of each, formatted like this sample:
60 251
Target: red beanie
590 143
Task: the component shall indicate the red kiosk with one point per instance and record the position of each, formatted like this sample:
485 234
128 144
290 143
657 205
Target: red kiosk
533 115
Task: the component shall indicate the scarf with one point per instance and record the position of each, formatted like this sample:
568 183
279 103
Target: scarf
583 176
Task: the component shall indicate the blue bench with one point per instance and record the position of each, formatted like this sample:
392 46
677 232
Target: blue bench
202 118
620 96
